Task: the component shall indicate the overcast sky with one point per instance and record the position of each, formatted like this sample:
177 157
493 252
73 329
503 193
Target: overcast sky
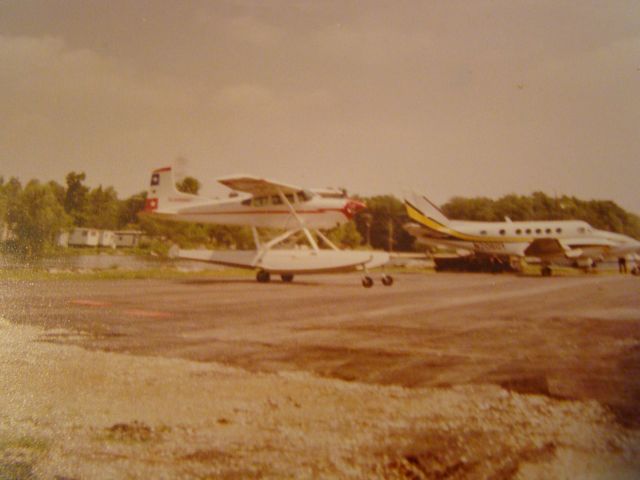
450 98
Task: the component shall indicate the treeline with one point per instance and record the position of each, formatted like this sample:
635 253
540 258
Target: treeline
34 214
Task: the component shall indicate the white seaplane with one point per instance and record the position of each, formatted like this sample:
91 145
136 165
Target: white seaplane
257 203
561 242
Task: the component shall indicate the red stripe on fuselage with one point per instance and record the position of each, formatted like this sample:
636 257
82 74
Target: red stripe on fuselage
264 212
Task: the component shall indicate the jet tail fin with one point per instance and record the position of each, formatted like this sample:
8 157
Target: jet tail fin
163 196
420 208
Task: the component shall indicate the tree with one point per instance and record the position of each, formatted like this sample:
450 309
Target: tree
103 208
36 218
383 221
59 191
189 185
129 209
75 203
345 235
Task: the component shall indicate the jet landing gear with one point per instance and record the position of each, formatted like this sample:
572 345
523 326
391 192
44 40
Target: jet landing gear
367 281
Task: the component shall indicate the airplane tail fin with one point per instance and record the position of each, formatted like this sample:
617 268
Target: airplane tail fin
424 211
163 196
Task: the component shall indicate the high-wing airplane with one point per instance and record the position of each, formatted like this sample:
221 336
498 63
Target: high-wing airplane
561 242
257 202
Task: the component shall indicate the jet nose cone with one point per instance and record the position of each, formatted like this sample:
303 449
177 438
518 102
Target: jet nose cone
352 207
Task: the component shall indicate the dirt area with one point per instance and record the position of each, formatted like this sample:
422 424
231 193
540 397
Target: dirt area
439 376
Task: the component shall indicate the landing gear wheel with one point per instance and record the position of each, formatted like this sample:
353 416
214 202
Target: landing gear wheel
263 277
367 282
287 277
546 271
387 280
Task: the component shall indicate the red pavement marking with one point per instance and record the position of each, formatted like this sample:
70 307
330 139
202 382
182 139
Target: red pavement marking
89 303
147 313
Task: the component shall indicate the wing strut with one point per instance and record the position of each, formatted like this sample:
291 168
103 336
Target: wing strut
312 240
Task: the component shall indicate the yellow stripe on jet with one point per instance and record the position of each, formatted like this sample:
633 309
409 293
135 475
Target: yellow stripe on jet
431 224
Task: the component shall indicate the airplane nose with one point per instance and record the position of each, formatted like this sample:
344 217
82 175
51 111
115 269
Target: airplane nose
352 207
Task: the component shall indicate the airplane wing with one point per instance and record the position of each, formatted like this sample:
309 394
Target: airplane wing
550 247
257 186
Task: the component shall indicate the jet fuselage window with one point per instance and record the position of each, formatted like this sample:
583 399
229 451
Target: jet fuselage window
538 230
483 232
502 232
246 202
518 232
548 230
558 230
528 231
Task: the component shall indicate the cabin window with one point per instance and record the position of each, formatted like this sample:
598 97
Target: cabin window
518 232
528 231
246 202
304 195
538 230
483 232
291 198
260 201
85 233
548 230
502 232
558 230
581 230
276 200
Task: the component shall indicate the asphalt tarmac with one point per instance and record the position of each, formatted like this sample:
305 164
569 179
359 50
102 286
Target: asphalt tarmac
573 337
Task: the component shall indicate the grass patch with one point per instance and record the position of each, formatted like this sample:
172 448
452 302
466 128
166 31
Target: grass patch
529 270
16 471
23 442
18 455
404 269
25 274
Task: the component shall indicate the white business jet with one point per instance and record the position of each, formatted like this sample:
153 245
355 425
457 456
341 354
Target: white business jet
561 242
257 202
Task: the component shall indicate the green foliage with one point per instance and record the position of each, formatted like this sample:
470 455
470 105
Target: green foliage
129 209
36 218
382 223
103 208
37 212
189 185
75 202
345 236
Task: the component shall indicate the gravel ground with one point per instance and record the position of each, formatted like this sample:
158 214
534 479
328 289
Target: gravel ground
70 413
437 377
